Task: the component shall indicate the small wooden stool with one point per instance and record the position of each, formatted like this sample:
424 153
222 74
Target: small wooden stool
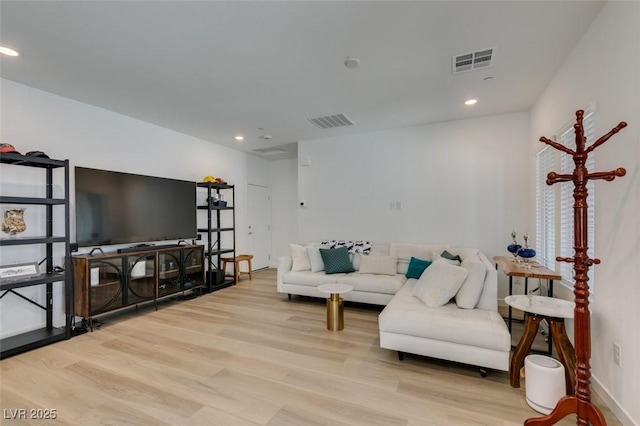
236 266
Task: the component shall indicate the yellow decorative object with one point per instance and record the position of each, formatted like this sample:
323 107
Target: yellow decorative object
209 179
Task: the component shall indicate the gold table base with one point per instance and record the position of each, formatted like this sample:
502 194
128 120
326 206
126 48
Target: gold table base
335 312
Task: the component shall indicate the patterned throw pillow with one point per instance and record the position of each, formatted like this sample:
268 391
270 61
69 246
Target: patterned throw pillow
352 246
336 260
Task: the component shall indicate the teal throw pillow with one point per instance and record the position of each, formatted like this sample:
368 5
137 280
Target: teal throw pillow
450 256
336 260
416 267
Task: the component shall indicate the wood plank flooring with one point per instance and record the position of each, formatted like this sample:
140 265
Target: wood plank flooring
245 355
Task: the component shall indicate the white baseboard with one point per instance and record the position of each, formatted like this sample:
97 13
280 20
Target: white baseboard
611 402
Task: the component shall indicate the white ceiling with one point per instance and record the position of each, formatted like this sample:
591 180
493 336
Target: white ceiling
217 69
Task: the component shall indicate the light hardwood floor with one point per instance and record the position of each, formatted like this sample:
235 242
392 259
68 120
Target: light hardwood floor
247 356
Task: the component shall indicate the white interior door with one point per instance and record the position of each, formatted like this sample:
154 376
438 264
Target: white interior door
259 225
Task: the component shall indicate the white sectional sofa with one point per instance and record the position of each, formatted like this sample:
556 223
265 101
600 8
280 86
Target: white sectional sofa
375 289
464 327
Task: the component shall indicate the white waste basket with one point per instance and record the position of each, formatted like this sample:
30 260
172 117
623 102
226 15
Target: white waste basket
544 382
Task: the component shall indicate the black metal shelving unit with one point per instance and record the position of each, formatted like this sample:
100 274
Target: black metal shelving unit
47 333
215 277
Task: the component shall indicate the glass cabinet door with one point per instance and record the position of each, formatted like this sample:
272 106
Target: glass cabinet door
141 278
169 277
193 267
106 280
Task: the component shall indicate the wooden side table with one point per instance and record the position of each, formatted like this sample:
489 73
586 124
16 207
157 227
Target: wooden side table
514 269
554 311
236 266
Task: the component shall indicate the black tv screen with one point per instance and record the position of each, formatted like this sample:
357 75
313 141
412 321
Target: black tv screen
122 208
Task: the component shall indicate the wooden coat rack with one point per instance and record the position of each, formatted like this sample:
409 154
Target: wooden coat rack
580 403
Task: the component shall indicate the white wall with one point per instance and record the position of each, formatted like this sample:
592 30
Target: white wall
284 209
93 137
463 183
604 68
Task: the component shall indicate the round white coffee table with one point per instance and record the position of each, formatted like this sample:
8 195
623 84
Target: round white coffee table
335 304
554 311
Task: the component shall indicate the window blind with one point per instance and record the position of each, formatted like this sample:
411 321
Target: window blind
566 201
545 209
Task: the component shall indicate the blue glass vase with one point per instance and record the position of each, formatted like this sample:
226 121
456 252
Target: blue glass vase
527 254
514 249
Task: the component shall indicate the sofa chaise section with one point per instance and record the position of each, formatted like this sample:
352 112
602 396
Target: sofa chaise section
470 336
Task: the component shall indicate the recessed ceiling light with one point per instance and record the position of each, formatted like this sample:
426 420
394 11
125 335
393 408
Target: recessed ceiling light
471 102
7 51
239 138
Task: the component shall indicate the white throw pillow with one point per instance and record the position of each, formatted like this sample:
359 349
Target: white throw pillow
403 266
439 283
379 265
469 294
355 260
317 264
300 258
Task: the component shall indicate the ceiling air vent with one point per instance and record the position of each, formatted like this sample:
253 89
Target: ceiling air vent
338 120
269 151
473 61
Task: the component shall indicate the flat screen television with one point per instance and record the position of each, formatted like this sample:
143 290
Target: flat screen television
123 208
